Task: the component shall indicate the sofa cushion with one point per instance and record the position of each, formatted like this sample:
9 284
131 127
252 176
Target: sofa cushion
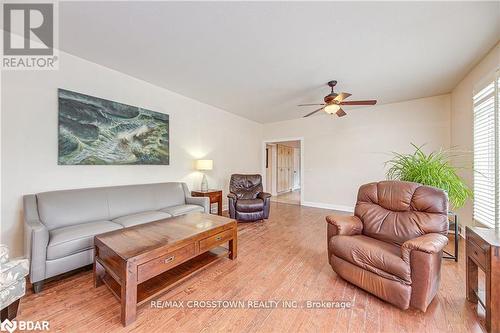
249 205
140 218
70 207
373 255
133 199
59 209
182 209
76 238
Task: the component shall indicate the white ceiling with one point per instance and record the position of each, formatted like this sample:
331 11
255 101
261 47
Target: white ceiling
261 59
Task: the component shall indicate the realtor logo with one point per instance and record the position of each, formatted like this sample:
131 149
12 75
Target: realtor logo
29 36
34 22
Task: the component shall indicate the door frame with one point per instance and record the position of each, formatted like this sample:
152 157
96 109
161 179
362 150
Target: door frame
263 159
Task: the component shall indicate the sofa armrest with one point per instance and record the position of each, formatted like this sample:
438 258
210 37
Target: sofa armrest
233 196
345 224
200 201
36 239
428 243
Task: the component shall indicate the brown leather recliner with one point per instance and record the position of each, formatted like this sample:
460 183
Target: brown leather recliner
392 246
247 201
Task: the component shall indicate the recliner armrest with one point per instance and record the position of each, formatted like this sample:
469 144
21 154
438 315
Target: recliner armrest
428 243
266 197
345 224
232 196
263 195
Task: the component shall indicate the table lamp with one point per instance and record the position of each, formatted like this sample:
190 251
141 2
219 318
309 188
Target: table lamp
204 165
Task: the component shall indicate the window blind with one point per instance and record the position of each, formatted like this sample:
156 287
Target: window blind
486 155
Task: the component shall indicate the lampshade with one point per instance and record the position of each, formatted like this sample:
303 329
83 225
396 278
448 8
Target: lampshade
204 164
332 108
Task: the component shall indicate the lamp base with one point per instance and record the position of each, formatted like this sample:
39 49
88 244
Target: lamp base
204 183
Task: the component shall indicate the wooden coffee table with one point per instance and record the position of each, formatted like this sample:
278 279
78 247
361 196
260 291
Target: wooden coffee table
141 262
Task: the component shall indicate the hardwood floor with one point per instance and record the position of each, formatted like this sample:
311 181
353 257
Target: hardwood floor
283 258
292 197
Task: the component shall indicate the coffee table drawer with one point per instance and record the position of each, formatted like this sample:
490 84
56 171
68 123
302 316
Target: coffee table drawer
164 262
212 241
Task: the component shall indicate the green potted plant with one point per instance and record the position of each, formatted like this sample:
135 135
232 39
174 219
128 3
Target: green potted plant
434 169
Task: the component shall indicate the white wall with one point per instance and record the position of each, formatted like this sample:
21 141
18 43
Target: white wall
29 137
462 118
340 154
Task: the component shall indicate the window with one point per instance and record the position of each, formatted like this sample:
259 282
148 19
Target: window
486 154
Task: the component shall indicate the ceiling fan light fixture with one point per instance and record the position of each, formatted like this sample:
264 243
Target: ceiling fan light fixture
334 102
332 108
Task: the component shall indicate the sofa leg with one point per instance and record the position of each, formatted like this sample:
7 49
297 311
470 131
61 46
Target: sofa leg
10 312
37 287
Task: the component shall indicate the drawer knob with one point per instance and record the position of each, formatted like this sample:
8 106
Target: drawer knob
169 259
218 238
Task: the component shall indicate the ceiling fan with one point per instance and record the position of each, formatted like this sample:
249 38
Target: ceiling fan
334 101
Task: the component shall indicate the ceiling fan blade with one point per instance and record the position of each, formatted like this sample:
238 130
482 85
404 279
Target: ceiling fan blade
367 102
310 114
340 97
340 113
310 104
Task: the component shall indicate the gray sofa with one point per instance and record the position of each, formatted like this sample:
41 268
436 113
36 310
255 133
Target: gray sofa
60 226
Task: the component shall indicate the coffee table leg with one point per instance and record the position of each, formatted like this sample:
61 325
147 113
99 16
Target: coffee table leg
129 295
233 247
98 270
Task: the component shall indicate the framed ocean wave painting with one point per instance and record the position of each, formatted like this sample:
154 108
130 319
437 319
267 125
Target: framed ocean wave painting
96 131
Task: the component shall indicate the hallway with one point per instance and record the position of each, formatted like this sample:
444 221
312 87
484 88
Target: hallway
292 197
283 170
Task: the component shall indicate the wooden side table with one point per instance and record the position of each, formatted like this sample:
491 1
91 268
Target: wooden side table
483 252
214 195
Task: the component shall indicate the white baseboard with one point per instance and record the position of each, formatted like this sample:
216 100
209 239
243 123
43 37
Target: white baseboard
342 208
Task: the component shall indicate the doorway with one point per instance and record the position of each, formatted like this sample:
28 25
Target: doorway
283 170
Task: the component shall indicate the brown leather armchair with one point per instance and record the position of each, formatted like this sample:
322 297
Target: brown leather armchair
392 246
247 201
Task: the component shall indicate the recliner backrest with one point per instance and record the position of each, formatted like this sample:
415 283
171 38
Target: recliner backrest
396 211
69 207
246 186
